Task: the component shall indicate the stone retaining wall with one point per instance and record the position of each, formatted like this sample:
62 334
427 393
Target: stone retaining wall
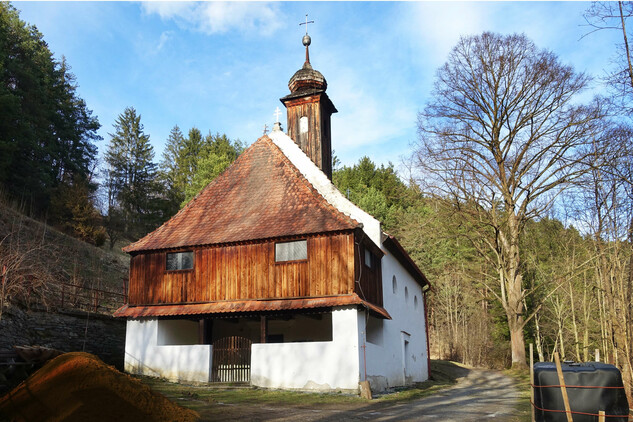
67 331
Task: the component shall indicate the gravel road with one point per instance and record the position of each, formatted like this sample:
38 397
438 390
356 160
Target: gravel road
479 395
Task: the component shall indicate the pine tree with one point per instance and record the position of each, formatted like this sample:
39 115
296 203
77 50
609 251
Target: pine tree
170 170
133 175
193 146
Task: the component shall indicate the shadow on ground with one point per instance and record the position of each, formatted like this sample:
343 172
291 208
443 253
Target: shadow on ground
455 393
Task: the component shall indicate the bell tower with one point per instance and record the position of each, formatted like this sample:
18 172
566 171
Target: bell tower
309 110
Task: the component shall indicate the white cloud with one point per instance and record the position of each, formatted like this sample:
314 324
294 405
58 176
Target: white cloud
164 37
367 115
439 25
169 9
219 17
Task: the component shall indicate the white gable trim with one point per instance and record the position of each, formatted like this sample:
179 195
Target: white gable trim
324 186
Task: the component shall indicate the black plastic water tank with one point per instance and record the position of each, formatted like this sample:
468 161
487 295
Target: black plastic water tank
591 387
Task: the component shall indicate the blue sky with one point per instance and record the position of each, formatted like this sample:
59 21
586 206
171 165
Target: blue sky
223 66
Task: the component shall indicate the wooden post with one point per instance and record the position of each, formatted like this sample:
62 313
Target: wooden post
601 417
532 381
263 325
563 389
124 289
201 331
597 355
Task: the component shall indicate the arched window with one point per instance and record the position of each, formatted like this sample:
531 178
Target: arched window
406 294
415 302
394 283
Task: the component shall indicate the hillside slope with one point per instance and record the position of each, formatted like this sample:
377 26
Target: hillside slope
42 266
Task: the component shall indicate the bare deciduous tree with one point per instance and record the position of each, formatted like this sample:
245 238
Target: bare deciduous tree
500 138
609 215
613 15
24 276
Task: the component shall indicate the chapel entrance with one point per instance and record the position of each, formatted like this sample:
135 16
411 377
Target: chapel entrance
231 360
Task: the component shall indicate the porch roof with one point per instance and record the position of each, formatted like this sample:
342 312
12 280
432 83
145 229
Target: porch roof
255 305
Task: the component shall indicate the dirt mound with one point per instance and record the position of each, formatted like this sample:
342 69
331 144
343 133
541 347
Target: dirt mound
80 387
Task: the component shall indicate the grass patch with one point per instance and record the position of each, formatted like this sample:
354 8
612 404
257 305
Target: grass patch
522 380
198 396
444 374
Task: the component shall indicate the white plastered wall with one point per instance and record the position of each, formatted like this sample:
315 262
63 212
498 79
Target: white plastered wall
320 365
387 363
144 356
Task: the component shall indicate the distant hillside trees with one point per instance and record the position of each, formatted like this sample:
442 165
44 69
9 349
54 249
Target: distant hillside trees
464 323
216 155
190 163
140 194
607 194
500 138
378 190
47 133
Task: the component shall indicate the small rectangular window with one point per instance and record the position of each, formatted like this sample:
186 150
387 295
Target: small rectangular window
179 261
369 259
291 251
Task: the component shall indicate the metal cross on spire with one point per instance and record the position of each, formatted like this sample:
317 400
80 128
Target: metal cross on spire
306 39
306 23
277 114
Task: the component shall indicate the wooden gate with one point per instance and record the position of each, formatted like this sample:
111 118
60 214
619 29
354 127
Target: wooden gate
231 360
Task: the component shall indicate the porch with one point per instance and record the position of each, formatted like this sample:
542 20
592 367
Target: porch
315 349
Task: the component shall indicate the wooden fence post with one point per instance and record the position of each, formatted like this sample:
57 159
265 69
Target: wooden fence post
563 389
597 355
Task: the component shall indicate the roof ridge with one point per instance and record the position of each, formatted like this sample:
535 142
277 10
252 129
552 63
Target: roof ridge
292 167
325 187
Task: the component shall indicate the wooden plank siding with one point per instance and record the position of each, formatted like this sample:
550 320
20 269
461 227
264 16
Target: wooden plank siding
249 271
369 287
309 141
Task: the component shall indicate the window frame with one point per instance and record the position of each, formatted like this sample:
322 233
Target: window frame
193 261
292 261
372 259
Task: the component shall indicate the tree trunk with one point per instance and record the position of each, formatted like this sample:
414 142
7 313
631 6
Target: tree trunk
574 323
539 341
514 308
517 341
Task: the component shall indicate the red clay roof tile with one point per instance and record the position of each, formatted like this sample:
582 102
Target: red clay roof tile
243 306
261 195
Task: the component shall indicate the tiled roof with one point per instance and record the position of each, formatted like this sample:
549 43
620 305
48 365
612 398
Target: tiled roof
261 195
245 306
